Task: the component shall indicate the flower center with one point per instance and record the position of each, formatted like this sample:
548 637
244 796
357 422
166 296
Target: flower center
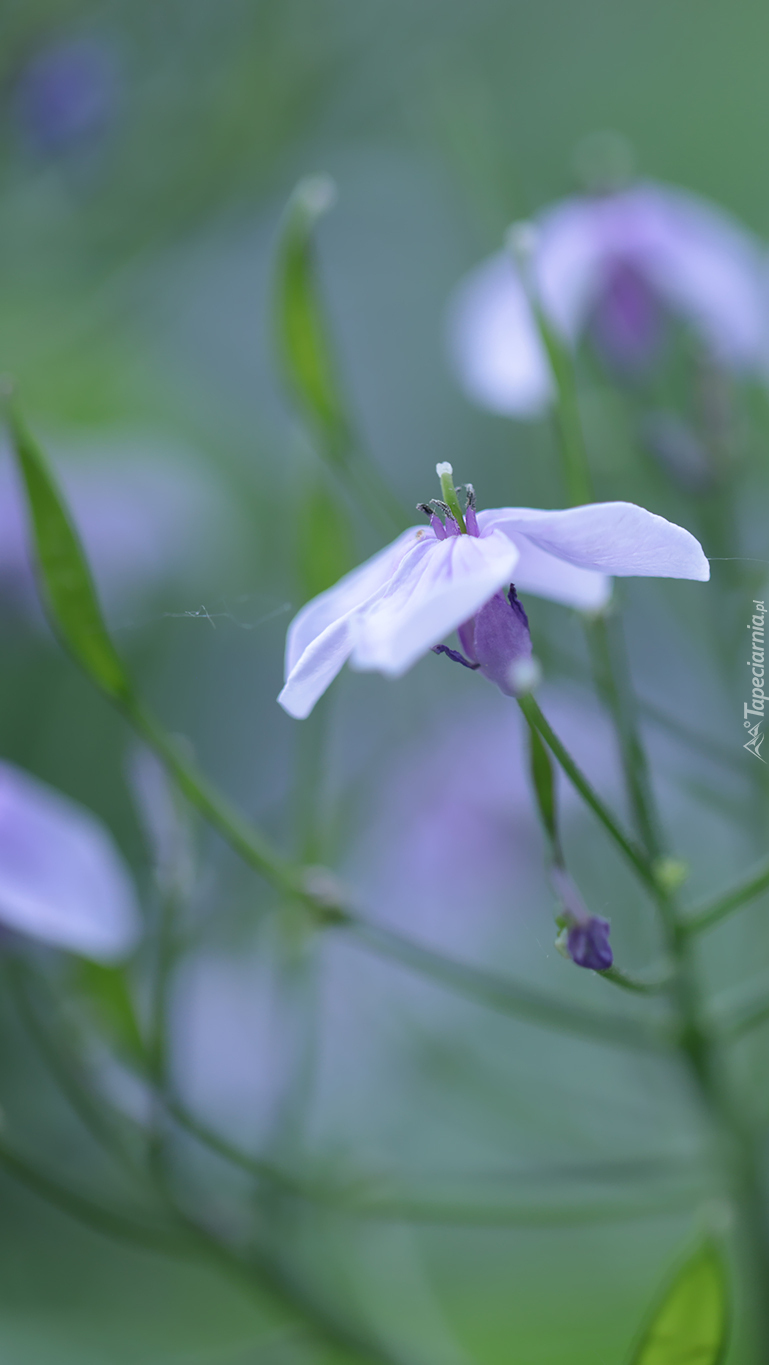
446 516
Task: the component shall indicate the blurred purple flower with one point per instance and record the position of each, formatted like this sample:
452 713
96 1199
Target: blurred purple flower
614 264
146 511
66 95
432 580
62 879
233 1038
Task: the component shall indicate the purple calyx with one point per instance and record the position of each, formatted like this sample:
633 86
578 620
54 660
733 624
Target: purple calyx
588 944
494 641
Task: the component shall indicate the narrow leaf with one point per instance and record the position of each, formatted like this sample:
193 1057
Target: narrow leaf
110 997
65 578
544 784
690 1325
305 348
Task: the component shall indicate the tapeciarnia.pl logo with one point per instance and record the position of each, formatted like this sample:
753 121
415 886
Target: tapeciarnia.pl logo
755 707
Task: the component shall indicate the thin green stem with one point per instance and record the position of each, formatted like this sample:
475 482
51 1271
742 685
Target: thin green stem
716 910
496 992
613 684
571 441
639 985
742 1012
634 855
405 1206
106 1128
86 1210
252 847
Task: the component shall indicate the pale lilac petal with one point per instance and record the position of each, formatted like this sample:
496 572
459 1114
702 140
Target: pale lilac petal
317 667
704 264
545 575
319 640
437 587
710 269
61 877
568 262
494 345
611 537
350 592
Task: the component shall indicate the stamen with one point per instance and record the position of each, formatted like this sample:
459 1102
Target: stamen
455 655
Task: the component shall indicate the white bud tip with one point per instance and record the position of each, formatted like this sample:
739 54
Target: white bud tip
525 675
522 240
317 193
444 468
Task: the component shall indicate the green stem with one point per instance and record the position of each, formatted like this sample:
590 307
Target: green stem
638 984
252 847
635 855
495 992
65 1067
714 911
519 1001
86 1210
613 684
576 471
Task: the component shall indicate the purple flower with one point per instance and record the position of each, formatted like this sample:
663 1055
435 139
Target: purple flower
62 879
66 95
614 264
432 580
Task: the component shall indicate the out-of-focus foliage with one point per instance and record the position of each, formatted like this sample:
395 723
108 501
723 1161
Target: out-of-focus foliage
138 240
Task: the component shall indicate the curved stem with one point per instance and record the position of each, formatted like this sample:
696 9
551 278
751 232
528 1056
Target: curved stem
634 855
714 911
86 1210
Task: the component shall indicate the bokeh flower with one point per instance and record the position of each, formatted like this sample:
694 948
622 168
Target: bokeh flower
432 580
615 265
67 94
62 880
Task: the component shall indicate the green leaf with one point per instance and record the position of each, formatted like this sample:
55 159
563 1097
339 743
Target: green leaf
305 348
65 578
544 784
110 997
690 1325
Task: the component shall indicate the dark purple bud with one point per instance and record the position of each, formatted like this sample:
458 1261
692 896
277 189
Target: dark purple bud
67 94
497 640
588 944
628 320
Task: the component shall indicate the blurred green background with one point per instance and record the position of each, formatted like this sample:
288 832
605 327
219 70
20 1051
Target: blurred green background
135 276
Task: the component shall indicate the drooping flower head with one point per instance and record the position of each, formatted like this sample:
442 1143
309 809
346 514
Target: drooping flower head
463 572
616 265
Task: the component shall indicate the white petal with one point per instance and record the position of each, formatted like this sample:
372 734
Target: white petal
545 575
438 585
61 877
349 592
611 537
317 667
319 641
494 346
